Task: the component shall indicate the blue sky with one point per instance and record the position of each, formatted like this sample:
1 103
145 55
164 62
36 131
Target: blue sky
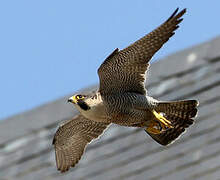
51 48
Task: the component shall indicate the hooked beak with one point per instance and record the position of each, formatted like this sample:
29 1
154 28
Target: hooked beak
72 100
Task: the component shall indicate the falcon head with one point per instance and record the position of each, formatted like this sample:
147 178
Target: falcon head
79 101
91 105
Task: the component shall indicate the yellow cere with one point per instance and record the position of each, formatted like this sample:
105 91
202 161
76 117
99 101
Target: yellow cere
74 99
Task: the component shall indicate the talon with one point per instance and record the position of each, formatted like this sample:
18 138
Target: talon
160 126
163 121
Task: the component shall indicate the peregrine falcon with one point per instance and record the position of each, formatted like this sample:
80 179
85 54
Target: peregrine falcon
122 99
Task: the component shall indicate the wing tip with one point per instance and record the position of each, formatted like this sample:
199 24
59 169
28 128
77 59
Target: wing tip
177 9
174 14
67 167
181 13
54 140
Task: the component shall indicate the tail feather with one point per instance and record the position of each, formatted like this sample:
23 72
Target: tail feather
184 114
180 114
184 104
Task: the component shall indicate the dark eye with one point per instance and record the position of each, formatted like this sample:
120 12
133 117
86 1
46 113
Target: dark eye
79 96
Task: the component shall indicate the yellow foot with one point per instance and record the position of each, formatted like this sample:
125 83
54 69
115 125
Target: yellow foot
154 128
163 121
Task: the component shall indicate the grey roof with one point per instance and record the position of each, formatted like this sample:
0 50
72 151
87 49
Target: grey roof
26 151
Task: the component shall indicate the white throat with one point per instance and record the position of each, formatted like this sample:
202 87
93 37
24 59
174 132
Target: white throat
96 112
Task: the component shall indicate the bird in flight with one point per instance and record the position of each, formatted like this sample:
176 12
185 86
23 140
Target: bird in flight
122 99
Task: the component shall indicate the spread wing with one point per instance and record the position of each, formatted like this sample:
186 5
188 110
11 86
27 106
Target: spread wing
124 71
71 139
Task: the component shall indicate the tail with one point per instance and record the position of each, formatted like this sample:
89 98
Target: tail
180 114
